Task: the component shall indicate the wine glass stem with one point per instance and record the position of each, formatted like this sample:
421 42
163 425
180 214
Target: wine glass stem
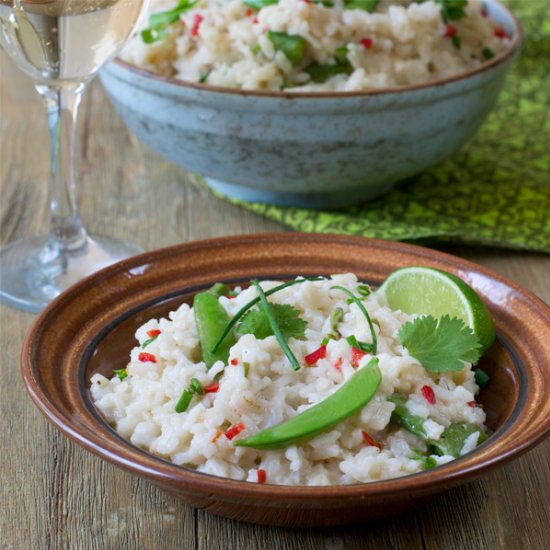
67 235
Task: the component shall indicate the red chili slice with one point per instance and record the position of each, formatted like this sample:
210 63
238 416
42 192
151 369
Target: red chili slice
234 361
153 333
234 430
213 388
314 356
262 476
197 20
450 31
356 356
366 43
147 357
501 33
428 394
370 441
472 404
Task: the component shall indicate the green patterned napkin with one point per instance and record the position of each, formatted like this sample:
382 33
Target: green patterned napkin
494 192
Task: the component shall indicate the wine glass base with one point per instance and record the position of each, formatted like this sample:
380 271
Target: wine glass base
33 272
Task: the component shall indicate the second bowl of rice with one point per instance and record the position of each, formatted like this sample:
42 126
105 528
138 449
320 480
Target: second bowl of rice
315 104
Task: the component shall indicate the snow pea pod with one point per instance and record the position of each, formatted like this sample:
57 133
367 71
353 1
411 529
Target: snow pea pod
354 394
211 320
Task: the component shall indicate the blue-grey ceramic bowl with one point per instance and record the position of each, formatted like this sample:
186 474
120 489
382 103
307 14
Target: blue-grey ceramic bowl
317 150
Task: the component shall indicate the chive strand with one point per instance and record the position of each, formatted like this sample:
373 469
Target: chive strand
275 327
363 310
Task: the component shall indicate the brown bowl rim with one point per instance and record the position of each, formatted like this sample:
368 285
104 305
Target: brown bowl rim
500 58
162 471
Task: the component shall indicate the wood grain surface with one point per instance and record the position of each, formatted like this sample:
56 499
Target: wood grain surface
56 495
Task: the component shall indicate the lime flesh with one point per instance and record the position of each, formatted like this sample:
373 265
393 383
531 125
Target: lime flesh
428 291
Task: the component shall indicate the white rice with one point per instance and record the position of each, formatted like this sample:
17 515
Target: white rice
141 407
406 43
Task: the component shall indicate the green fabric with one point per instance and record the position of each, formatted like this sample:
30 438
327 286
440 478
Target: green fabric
494 192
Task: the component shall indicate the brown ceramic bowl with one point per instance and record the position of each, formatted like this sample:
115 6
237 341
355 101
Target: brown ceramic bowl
90 329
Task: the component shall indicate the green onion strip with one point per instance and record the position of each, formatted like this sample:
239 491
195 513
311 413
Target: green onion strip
275 327
359 304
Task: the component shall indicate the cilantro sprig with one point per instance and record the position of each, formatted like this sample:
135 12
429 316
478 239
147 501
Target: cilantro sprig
287 318
440 345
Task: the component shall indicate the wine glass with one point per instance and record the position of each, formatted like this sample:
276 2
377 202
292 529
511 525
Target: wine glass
61 44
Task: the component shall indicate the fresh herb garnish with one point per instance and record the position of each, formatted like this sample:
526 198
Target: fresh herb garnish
275 327
203 76
452 9
457 41
487 54
259 4
363 346
287 318
158 22
365 5
121 373
336 316
195 387
363 310
147 342
235 319
440 345
453 438
481 378
292 45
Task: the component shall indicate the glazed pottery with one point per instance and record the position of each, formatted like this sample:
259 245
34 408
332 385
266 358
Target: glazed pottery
317 150
90 328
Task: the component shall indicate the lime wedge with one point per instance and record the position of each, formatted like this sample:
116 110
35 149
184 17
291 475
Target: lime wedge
428 291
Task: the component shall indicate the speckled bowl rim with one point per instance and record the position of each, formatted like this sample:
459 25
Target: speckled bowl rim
158 470
505 55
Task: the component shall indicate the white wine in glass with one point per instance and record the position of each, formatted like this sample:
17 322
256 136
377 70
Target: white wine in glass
61 44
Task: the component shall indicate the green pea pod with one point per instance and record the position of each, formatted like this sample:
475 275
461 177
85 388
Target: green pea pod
365 5
354 394
402 416
211 320
293 46
453 438
259 4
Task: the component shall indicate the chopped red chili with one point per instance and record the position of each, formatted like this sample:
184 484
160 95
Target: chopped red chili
472 404
428 394
262 476
338 364
370 441
153 333
147 357
501 33
197 20
450 31
356 356
366 43
234 430
314 356
234 361
255 20
249 12
213 388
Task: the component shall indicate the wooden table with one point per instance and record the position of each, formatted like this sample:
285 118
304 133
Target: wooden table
56 495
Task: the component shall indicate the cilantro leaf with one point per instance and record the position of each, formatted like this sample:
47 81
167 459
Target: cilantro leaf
440 344
256 322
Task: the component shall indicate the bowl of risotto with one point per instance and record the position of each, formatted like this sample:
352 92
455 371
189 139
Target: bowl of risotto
318 104
357 426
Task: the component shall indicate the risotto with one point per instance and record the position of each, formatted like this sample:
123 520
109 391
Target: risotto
314 45
206 411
